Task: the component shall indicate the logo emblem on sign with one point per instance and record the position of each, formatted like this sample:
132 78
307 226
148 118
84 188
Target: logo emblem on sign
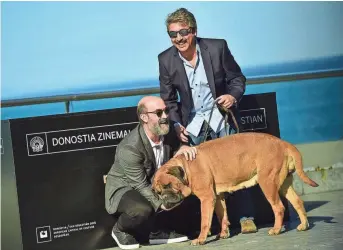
37 144
43 234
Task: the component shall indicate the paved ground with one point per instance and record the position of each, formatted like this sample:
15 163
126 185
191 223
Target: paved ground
325 213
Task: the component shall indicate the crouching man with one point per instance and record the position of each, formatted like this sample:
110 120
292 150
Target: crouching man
128 193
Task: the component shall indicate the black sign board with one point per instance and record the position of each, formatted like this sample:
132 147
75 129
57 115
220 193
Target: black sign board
60 162
62 141
259 113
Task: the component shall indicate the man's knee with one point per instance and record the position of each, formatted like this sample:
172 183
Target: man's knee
142 212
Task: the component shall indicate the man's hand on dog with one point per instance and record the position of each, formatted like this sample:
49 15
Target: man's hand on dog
187 151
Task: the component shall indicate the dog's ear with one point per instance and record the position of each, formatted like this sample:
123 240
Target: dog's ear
179 173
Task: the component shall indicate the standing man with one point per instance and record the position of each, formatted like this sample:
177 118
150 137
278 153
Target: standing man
128 192
201 71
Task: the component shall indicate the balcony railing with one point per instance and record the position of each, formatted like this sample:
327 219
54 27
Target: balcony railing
148 91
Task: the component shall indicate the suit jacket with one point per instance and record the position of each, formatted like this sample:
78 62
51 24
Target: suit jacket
134 167
223 74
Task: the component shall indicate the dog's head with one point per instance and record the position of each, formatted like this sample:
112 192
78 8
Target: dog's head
171 185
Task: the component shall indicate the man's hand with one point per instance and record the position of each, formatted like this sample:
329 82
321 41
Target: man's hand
226 100
181 133
187 151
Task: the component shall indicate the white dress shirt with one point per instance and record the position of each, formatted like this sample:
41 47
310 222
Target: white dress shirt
158 151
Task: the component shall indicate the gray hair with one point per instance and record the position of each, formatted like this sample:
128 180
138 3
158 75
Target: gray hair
184 16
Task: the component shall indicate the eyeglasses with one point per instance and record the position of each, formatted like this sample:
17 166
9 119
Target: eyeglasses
182 32
159 112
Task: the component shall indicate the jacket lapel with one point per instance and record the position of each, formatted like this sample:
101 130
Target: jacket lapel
166 149
206 58
181 69
147 145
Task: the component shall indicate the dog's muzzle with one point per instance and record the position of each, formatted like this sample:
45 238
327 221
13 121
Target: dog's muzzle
171 199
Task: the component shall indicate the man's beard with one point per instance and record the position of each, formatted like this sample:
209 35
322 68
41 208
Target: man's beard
161 128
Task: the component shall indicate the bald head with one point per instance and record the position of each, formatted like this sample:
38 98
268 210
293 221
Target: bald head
149 103
153 115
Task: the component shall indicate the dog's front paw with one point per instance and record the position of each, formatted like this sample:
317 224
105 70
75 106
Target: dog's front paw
274 231
197 242
223 235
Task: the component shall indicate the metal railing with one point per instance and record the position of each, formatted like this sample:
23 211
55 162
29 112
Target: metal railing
148 91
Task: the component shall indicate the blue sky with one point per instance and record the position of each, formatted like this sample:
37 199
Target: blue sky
56 46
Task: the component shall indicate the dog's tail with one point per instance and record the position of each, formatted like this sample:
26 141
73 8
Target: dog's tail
296 162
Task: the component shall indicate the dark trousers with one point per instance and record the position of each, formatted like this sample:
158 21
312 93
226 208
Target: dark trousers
137 217
134 212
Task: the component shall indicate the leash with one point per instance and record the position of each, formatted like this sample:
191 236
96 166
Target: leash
207 124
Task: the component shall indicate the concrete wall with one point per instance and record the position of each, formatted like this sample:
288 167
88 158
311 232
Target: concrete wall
323 163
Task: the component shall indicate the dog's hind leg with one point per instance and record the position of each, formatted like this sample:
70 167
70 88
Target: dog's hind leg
271 191
288 191
221 212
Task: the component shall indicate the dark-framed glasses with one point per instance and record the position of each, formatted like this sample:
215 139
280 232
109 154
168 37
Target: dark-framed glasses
159 112
182 32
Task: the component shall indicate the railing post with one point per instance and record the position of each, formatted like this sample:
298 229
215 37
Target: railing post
67 106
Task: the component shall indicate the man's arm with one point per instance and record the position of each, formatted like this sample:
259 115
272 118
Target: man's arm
235 78
132 163
168 93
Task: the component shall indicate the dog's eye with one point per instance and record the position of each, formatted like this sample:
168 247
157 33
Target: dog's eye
168 186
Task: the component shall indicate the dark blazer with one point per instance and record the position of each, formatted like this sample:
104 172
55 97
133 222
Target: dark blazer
223 73
134 167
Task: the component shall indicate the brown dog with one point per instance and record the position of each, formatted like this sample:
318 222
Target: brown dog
228 164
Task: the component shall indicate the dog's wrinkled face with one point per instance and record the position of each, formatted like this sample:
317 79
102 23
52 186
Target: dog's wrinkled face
170 197
170 186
